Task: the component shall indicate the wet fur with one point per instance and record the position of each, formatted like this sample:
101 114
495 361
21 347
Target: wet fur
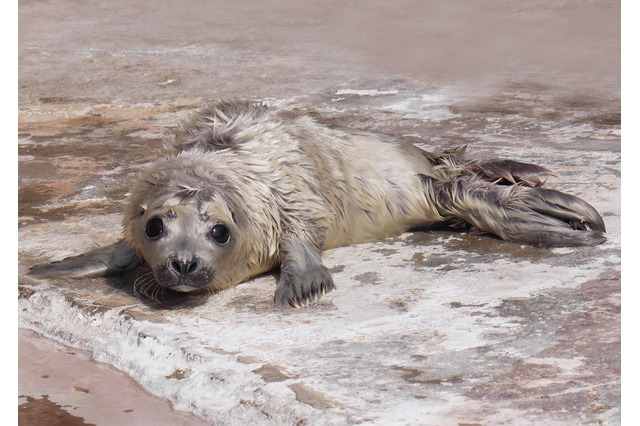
288 188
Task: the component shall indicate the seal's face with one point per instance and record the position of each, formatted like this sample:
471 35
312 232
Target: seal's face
198 223
189 245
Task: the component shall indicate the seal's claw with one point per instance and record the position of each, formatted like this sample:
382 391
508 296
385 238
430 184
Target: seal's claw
304 278
298 290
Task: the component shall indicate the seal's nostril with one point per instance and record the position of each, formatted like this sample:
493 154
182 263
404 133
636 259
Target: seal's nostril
177 266
184 267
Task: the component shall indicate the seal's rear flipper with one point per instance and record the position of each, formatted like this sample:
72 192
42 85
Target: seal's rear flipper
505 198
542 217
512 172
114 259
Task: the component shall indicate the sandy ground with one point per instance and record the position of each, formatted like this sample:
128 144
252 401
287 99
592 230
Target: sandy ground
438 327
61 385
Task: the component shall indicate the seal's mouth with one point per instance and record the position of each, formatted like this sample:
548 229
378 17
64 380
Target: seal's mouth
148 285
184 281
184 288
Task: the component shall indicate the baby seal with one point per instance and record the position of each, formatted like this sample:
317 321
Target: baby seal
247 188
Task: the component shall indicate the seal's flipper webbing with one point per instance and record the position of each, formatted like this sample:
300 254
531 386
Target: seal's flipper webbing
114 259
505 198
517 213
512 172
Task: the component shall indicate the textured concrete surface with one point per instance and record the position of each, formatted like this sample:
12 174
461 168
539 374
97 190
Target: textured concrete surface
436 327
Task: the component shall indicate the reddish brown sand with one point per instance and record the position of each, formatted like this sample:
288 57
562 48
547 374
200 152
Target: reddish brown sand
58 385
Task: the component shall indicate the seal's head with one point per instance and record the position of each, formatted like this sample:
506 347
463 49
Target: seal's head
188 244
192 228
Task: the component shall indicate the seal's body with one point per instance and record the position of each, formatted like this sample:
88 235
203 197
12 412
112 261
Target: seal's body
247 189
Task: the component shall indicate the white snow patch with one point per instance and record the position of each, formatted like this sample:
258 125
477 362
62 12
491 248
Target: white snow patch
113 171
167 82
365 92
428 107
87 200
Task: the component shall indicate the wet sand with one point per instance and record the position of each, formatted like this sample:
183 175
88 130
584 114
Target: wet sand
59 385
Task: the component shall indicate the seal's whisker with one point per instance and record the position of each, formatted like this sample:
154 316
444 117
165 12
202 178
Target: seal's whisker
145 285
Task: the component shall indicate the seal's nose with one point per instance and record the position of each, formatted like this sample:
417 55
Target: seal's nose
184 267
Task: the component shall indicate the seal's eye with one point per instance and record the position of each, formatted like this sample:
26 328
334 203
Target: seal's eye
220 234
154 228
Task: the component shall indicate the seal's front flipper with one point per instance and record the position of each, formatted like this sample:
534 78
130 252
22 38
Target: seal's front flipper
303 277
114 259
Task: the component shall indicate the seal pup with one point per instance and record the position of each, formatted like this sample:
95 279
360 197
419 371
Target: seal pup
247 188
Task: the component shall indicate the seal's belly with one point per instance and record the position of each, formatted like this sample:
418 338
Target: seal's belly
380 200
387 215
